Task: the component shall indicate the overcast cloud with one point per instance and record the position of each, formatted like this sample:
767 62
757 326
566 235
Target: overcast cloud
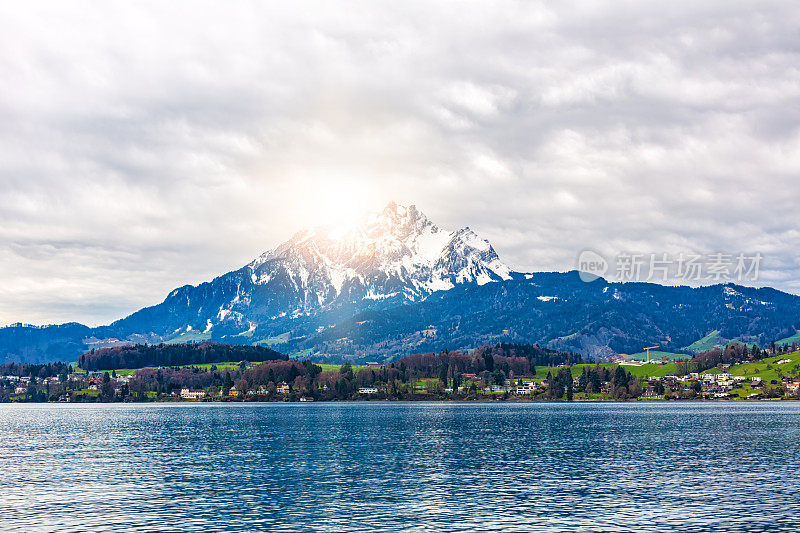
144 146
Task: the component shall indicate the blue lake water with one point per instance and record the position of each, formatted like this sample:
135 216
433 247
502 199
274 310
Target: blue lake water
401 467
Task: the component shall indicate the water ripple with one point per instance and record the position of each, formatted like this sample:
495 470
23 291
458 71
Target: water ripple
408 467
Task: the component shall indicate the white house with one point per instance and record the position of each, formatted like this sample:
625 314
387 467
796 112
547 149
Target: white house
193 394
367 390
525 388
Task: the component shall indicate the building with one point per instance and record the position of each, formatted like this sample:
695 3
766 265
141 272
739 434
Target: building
283 388
193 394
372 364
367 390
792 387
234 392
525 388
20 390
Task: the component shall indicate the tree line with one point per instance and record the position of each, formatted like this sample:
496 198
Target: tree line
145 355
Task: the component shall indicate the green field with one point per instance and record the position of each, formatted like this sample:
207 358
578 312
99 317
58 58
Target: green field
652 370
658 355
335 368
712 340
646 370
789 340
227 365
273 341
190 336
125 371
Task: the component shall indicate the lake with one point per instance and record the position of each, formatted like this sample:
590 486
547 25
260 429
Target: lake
401 467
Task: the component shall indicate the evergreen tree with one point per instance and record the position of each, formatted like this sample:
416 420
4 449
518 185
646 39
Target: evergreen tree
621 377
569 390
107 392
583 380
226 387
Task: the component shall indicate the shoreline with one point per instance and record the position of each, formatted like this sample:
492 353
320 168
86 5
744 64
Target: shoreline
420 400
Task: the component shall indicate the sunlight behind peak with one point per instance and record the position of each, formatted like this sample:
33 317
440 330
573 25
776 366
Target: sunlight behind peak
338 203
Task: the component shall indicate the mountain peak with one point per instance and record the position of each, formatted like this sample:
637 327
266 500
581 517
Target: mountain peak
393 208
397 252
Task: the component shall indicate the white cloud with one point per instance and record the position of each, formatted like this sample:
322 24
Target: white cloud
148 145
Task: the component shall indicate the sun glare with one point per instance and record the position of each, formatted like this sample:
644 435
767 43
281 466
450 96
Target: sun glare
339 203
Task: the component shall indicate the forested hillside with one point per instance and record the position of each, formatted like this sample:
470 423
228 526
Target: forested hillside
142 355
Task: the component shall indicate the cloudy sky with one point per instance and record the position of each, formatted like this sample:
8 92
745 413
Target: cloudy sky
144 146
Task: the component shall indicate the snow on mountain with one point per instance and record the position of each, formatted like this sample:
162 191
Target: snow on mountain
397 252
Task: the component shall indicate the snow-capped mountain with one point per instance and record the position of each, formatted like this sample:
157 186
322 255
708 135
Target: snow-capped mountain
395 256
397 252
